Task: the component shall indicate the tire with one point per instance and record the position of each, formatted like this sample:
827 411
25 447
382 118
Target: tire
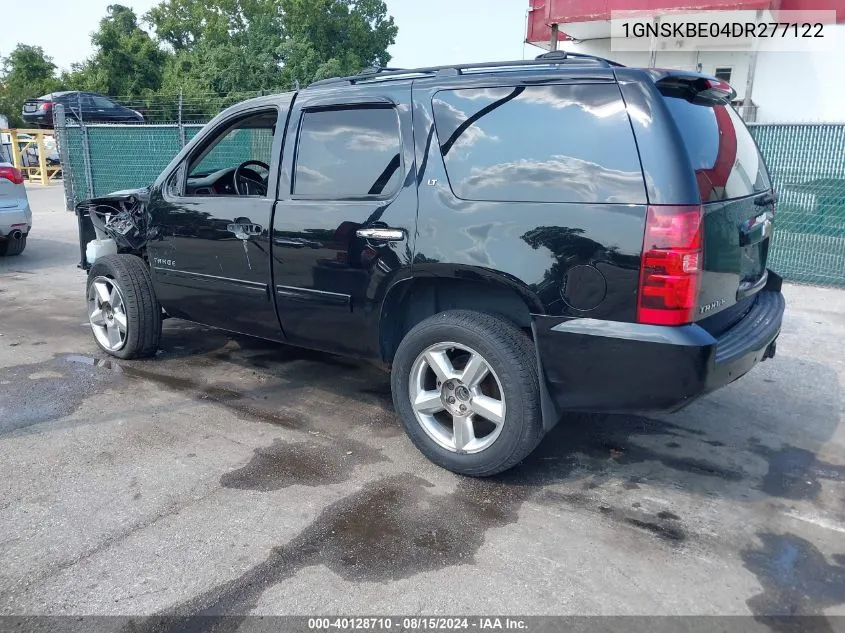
512 373
9 247
135 301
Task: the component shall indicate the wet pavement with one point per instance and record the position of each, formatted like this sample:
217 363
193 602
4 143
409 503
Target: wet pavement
230 475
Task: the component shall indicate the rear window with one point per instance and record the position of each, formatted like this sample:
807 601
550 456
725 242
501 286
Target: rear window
4 154
725 158
559 143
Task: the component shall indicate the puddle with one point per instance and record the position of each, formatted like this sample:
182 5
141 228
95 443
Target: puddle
797 580
795 473
51 390
310 463
391 529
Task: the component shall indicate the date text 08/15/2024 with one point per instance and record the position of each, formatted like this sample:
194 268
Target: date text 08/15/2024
416 623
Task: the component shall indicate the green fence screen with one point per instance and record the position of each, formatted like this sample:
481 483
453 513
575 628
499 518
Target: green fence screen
806 163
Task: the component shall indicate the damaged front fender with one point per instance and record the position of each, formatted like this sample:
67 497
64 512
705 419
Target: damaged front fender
120 216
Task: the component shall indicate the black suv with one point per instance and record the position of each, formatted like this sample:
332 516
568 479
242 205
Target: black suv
513 240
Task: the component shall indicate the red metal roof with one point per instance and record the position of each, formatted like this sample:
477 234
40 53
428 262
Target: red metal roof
544 13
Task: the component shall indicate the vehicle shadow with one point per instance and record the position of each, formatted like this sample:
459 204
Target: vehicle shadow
40 253
740 442
751 440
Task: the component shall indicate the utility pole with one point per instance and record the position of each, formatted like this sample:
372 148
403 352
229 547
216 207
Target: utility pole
652 47
752 67
553 41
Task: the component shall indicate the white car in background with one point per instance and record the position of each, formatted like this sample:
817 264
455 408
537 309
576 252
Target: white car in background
15 214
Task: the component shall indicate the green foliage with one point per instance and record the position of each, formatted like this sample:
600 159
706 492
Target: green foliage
214 51
126 61
227 53
325 38
183 24
236 45
27 72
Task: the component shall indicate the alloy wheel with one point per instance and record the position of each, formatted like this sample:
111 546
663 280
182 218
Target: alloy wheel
107 313
457 398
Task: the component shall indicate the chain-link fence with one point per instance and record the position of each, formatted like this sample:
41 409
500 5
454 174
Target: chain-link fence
806 162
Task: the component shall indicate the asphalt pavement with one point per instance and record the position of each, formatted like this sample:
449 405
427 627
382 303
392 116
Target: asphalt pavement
231 475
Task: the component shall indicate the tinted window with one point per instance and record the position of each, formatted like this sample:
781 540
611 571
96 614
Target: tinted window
71 99
4 154
723 154
349 152
101 102
541 143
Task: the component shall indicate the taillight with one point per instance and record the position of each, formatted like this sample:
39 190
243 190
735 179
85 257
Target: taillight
670 270
12 173
45 106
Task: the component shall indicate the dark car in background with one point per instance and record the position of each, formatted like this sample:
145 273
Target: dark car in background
89 106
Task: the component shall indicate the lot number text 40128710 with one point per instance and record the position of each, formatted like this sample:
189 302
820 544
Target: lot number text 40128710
417 623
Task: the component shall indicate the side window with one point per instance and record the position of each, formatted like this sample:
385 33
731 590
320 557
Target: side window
213 168
101 103
558 143
348 153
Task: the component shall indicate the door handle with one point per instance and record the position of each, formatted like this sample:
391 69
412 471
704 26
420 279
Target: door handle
381 234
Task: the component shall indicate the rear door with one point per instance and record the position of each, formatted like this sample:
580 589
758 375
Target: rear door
346 214
736 195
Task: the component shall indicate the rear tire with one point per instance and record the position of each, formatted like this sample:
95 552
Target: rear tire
10 246
471 426
124 313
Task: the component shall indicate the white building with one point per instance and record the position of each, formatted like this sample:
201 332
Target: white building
787 87
784 86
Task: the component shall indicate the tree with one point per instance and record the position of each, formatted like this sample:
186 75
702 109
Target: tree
126 61
183 24
25 74
220 46
250 45
323 38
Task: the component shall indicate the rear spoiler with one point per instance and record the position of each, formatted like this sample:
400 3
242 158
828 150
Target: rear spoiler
693 87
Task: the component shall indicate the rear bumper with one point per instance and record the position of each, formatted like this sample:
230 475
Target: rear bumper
592 365
37 118
15 218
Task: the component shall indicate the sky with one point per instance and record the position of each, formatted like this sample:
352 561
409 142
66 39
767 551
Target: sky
431 32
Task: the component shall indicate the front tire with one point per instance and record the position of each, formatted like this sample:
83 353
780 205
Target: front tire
123 311
466 389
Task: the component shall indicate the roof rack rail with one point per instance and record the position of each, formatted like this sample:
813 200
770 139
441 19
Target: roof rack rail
553 58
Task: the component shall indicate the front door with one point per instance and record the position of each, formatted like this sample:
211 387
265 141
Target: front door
209 246
344 225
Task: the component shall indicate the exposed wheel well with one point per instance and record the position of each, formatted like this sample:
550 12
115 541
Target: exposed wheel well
413 301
